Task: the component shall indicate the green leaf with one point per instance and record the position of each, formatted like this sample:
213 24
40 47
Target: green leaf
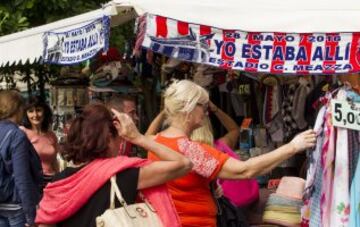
17 3
30 4
22 20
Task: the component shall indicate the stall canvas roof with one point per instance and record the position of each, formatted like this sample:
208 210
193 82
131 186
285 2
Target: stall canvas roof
292 16
20 47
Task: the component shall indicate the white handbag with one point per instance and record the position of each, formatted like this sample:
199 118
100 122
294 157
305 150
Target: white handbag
135 215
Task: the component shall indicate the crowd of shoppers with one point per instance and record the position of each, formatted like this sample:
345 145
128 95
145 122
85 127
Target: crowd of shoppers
98 144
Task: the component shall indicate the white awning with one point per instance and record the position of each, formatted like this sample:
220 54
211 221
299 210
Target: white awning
27 45
291 16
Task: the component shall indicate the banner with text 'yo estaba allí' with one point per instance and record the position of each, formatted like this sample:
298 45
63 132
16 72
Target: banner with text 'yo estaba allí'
77 44
290 53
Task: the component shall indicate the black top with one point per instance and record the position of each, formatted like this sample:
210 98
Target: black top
127 182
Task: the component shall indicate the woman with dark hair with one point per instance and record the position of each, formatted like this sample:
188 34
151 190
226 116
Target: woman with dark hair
20 167
79 194
37 126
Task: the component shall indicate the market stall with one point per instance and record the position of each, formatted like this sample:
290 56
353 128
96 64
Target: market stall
274 65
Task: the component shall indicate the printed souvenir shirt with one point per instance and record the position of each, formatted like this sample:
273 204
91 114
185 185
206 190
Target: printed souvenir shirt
191 193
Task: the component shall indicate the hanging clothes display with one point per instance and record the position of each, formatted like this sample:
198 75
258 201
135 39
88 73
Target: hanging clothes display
298 112
340 204
313 181
290 126
355 198
272 117
328 200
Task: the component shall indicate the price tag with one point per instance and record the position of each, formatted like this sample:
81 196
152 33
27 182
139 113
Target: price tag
346 115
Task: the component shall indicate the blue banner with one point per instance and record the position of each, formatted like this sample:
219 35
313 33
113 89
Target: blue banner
76 45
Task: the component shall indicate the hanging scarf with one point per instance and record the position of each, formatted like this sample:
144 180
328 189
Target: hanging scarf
65 197
314 158
327 163
340 205
355 198
290 126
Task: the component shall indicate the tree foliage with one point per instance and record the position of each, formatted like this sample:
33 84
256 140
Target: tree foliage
17 15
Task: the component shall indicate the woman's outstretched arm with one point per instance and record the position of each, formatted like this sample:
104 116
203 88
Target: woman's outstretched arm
235 169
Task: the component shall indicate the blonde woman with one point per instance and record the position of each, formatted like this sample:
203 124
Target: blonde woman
239 192
186 106
204 134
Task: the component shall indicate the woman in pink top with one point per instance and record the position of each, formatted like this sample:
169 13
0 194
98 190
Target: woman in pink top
240 192
37 126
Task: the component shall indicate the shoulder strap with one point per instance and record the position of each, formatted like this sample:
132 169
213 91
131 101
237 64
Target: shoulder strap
114 190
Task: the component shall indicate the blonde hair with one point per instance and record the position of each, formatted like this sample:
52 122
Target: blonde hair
204 134
11 103
181 97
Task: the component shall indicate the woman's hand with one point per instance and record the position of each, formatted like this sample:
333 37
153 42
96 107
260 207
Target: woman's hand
304 140
218 191
125 126
212 107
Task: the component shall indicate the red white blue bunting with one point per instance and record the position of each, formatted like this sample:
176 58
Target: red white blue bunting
288 53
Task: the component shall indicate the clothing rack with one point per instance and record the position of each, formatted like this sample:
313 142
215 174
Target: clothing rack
329 192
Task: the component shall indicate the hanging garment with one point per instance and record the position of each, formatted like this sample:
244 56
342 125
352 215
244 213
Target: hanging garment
289 123
354 150
355 198
327 163
290 126
312 101
314 160
298 111
271 103
315 214
354 139
203 75
238 104
340 205
355 97
272 117
315 201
